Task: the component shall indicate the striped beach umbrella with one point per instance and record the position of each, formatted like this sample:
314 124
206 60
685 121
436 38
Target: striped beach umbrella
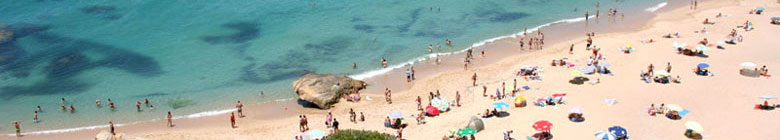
603 135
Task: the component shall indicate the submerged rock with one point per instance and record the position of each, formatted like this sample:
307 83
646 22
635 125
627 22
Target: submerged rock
324 90
6 33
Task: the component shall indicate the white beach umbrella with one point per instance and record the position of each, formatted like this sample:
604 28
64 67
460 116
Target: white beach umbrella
767 97
695 126
748 64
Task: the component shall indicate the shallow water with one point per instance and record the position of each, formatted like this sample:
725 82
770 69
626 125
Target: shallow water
196 56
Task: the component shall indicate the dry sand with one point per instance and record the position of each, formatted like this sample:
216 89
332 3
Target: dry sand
723 103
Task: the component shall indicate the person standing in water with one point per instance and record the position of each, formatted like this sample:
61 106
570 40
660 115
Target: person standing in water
97 102
39 109
586 16
170 119
35 117
354 65
72 109
138 106
430 48
240 108
384 62
18 129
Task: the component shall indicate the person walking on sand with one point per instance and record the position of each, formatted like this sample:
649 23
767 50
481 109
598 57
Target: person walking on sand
474 79
413 71
571 49
240 108
419 103
521 44
170 119
388 97
457 98
232 120
111 128
18 129
484 91
668 67
305 122
408 75
300 124
352 116
335 125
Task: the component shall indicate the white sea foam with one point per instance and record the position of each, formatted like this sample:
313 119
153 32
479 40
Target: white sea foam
656 7
372 73
194 115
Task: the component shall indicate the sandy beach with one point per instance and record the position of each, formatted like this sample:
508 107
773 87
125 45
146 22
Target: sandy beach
723 104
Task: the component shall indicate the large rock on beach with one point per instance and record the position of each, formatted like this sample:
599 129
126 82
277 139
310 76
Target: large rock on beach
325 90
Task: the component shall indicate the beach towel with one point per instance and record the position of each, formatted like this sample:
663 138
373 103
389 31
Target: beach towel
683 112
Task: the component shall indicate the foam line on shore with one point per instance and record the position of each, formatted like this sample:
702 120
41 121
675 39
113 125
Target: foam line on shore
194 115
656 7
372 73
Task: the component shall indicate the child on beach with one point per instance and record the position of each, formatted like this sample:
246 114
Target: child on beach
232 120
170 119
362 118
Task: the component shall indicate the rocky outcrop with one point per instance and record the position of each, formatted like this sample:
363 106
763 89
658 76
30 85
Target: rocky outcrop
325 90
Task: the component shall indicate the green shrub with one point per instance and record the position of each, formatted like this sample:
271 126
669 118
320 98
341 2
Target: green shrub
350 134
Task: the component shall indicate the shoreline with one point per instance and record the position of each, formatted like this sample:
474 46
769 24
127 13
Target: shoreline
395 74
424 61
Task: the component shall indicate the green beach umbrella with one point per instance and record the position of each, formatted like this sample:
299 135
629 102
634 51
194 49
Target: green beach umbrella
576 73
466 132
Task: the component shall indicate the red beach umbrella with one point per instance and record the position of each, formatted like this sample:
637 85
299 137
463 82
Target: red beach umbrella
559 95
433 111
542 125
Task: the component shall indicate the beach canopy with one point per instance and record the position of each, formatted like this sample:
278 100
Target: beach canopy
576 109
603 135
695 126
316 134
618 131
542 125
466 132
703 65
767 97
476 124
395 115
748 64
702 47
433 111
674 107
440 103
500 105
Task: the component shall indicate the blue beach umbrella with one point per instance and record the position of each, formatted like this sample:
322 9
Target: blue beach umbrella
500 105
618 131
316 134
703 65
603 135
760 8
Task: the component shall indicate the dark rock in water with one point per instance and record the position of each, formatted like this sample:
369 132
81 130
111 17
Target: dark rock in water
364 28
134 63
9 54
325 90
67 65
246 31
97 9
48 87
508 17
179 103
152 94
6 33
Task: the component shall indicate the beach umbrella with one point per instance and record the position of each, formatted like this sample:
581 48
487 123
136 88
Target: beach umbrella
576 73
662 73
618 131
703 65
695 126
520 99
576 109
542 125
760 8
748 64
603 135
527 67
395 115
559 95
466 132
440 103
476 124
702 47
316 134
674 107
433 111
679 45
767 97
500 105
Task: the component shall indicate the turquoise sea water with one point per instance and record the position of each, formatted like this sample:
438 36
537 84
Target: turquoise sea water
196 56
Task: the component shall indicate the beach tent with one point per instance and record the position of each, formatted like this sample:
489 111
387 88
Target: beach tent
542 125
476 124
433 111
395 115
695 126
603 135
618 131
